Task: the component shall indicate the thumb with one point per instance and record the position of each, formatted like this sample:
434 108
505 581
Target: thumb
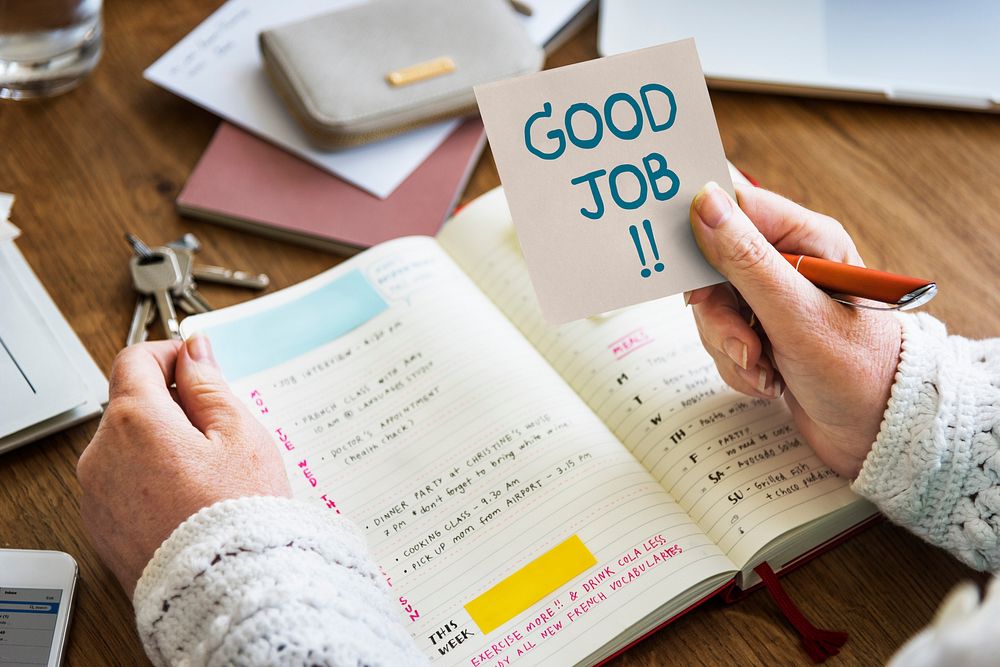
204 394
736 248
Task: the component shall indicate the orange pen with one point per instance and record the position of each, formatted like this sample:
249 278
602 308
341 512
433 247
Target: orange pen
898 292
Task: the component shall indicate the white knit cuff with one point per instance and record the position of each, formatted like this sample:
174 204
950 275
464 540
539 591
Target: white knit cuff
935 465
895 461
259 520
264 581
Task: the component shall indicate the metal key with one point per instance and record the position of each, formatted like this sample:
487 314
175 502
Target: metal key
188 298
145 311
138 246
142 317
190 244
156 275
191 301
224 276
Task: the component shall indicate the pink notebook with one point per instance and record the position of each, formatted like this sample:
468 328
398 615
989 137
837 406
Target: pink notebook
247 183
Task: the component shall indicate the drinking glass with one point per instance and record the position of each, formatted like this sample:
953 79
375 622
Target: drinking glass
47 46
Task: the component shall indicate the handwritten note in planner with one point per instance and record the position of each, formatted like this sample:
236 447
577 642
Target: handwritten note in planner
600 162
735 464
487 490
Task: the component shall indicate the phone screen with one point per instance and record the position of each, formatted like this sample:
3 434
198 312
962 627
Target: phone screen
27 625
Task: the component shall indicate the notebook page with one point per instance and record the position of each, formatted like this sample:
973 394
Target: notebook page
736 464
402 398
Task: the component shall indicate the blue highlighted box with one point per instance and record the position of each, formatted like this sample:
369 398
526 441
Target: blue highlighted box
265 339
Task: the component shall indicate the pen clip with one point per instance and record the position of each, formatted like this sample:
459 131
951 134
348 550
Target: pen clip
914 299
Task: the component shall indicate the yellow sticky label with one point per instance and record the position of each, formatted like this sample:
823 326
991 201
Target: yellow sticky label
530 584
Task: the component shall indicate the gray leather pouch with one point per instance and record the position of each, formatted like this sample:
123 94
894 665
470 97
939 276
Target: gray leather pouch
386 66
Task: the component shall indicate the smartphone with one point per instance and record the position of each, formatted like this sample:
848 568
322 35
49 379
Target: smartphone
36 598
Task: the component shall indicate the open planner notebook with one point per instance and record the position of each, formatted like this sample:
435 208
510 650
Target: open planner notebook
535 495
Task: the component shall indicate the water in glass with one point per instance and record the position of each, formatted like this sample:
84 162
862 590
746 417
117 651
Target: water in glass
47 46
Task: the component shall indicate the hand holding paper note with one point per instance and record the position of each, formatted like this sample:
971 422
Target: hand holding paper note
600 162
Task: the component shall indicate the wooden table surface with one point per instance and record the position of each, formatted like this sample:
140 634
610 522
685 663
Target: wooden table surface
917 189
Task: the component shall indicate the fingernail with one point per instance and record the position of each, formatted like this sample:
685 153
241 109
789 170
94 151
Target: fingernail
778 388
761 378
713 205
687 298
737 351
199 349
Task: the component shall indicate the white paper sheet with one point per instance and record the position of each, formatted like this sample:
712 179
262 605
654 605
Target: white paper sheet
48 381
66 386
8 231
37 379
217 66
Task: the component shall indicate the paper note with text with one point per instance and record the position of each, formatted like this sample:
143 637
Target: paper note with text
600 162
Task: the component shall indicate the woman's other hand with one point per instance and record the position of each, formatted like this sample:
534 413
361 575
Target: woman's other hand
834 364
161 454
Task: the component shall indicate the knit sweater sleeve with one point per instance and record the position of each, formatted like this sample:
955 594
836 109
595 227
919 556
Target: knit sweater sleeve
935 465
268 581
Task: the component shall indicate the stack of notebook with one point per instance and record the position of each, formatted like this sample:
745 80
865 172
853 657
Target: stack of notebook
247 183
48 381
258 175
